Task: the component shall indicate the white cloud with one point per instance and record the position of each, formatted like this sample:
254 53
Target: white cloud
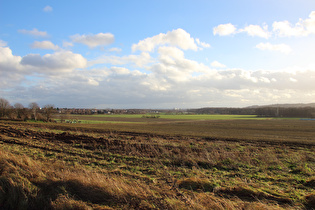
2 43
48 9
34 32
301 28
167 78
67 44
168 82
255 30
8 62
285 28
115 49
94 40
135 60
283 48
251 30
203 44
63 61
177 38
217 64
224 29
310 23
174 67
48 45
10 69
119 70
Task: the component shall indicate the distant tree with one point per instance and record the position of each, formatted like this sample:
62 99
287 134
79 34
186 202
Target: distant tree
48 111
21 112
18 110
4 107
18 106
34 109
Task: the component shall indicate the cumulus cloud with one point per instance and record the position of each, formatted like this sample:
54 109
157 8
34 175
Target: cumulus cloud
10 68
283 48
285 28
203 44
251 30
8 62
48 9
256 30
47 45
177 38
224 29
135 60
19 75
174 67
34 32
170 81
217 64
301 28
167 77
94 40
115 49
64 61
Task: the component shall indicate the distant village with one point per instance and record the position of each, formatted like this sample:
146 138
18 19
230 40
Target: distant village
83 111
281 110
34 112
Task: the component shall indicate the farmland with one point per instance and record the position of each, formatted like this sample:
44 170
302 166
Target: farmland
169 162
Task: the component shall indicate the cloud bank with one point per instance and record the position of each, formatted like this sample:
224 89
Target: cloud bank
170 79
159 72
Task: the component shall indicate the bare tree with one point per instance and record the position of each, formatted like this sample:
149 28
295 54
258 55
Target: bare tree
48 111
4 107
18 110
34 108
21 112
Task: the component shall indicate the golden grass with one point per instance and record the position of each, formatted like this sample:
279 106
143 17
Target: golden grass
94 169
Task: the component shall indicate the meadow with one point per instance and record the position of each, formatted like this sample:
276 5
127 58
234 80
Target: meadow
169 162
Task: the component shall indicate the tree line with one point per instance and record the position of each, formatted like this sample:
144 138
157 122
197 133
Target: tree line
302 112
19 112
34 112
267 111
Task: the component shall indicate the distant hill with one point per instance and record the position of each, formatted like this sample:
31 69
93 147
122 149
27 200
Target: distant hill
299 105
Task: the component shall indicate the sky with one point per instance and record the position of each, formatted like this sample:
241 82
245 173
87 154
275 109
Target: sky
158 54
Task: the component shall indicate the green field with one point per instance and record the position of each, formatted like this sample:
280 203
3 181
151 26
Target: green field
173 116
154 118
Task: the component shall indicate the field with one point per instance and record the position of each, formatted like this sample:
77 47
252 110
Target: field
169 162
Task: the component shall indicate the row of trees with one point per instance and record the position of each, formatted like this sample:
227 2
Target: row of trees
303 112
19 112
268 111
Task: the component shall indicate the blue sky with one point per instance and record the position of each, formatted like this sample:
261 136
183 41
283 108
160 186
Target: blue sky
157 54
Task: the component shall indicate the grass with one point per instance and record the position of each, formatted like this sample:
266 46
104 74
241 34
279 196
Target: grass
173 116
233 164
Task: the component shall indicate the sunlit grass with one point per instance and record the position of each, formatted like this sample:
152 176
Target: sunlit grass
62 165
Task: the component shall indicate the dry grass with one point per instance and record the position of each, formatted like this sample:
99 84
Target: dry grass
52 167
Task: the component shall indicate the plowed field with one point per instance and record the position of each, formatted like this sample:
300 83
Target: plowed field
267 165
